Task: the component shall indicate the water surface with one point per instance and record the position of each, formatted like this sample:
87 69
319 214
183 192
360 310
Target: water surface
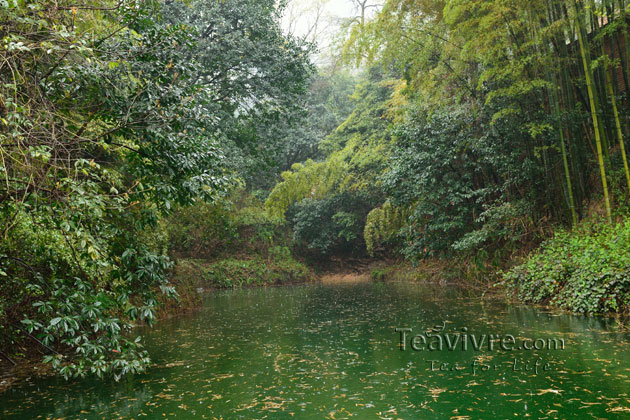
331 352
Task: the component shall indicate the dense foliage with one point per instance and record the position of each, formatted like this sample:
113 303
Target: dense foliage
133 131
330 225
497 135
254 76
448 169
514 116
326 202
476 126
586 270
112 114
278 268
327 104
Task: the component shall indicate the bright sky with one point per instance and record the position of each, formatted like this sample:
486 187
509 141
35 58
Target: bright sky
341 8
301 16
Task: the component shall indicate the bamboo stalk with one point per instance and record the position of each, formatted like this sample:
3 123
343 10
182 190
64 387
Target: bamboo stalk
553 97
565 161
8 358
611 93
591 96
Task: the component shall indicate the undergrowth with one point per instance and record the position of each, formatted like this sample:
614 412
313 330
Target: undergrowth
586 270
279 268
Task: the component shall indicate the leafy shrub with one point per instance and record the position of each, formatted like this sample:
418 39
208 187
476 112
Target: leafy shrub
312 225
586 270
234 272
449 168
78 286
215 230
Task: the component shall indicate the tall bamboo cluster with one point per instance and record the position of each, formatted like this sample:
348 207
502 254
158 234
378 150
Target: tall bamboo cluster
589 64
555 72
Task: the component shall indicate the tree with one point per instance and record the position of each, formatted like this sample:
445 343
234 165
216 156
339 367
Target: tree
586 61
253 76
111 114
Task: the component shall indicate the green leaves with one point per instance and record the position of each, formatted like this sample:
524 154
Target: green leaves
356 153
250 79
587 270
109 121
333 224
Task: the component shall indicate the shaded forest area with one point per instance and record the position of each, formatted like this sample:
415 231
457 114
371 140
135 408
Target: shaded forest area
148 148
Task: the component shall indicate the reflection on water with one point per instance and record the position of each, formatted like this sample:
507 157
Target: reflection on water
331 351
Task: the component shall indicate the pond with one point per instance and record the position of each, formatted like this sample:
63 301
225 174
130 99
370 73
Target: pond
332 352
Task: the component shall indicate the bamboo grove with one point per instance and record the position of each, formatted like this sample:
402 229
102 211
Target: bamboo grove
501 118
571 56
551 74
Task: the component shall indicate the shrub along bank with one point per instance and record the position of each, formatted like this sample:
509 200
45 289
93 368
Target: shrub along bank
584 270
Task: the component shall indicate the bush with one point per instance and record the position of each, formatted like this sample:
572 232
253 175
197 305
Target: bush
586 270
212 231
79 286
467 184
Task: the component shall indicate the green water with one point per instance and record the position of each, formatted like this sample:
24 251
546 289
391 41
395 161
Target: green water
331 352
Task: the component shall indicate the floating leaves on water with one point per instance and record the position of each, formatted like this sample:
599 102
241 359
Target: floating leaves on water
549 391
330 352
